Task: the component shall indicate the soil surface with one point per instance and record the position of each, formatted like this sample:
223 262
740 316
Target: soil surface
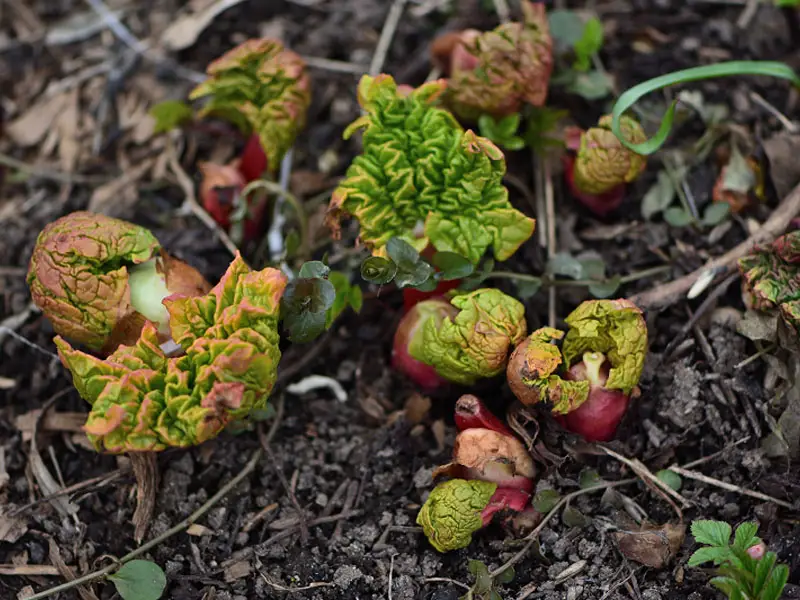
362 455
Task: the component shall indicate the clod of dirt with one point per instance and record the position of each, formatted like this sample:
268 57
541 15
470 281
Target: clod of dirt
346 575
681 403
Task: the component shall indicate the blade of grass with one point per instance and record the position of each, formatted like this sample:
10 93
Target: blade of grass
724 69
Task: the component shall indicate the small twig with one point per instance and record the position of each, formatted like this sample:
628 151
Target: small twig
463 586
180 527
44 173
387 33
534 535
728 486
550 207
711 457
190 199
669 293
391 573
102 480
782 119
28 570
647 476
335 66
291 590
502 10
349 502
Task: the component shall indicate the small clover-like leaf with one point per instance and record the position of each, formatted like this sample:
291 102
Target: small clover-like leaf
545 500
139 580
452 265
606 288
378 270
528 287
671 478
677 216
565 265
506 576
716 213
314 268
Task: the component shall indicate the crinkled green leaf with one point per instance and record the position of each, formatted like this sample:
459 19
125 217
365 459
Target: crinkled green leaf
452 512
170 114
772 275
422 179
617 329
477 341
78 274
143 401
262 87
537 374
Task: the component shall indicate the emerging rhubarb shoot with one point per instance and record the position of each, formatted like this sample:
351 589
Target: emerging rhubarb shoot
492 473
497 72
141 400
464 339
599 166
772 278
262 88
600 361
98 280
425 180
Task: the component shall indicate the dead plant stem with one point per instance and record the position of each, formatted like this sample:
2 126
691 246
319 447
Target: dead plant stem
534 535
728 486
387 34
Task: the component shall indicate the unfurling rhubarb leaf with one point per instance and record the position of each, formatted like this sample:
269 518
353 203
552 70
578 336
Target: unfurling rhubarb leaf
600 363
772 276
97 279
475 342
496 72
260 87
425 180
453 512
602 162
144 401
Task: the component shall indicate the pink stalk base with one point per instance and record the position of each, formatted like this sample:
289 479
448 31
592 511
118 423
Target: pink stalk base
505 499
471 413
600 204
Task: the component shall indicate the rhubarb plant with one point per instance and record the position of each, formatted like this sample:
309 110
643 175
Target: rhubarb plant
589 380
143 400
497 72
262 88
98 279
464 338
423 179
599 165
492 474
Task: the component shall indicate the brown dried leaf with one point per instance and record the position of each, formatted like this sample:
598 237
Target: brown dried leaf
52 421
116 197
238 570
30 128
11 528
782 150
654 547
417 408
188 27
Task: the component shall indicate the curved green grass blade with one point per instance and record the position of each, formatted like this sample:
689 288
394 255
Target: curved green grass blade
724 69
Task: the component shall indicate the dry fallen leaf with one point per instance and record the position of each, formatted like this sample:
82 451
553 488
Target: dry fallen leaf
116 197
238 570
52 421
653 547
188 27
782 150
417 408
30 128
11 528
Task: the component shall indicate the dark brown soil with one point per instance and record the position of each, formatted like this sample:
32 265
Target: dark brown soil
324 445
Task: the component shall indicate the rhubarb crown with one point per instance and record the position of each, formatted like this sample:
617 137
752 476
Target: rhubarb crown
141 400
420 169
78 274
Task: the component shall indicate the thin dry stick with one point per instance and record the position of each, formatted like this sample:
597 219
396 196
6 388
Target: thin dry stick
534 535
44 173
335 66
101 480
502 10
180 527
669 293
645 474
190 199
387 33
782 119
728 486
550 208
463 586
711 457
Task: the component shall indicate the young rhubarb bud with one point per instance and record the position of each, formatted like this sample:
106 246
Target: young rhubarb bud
263 89
408 340
220 194
474 342
491 456
98 280
601 166
471 413
419 167
771 276
497 72
458 508
601 360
